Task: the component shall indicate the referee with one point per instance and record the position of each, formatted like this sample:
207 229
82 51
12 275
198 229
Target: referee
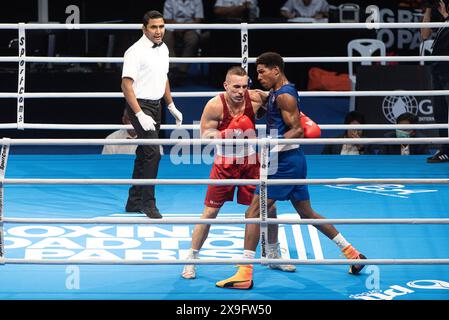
144 84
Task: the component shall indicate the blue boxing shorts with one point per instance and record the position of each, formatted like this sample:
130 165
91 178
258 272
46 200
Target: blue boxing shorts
289 164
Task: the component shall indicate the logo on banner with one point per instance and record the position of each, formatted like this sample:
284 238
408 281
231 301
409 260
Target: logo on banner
394 106
395 291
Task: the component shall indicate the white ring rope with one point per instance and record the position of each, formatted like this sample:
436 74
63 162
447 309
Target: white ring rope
188 142
229 261
35 59
228 26
183 221
52 126
220 182
209 94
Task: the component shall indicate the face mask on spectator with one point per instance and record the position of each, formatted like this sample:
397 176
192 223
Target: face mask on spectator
402 134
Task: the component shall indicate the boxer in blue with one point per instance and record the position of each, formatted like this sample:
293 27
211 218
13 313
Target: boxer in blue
283 121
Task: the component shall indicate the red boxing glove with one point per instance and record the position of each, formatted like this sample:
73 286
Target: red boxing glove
240 127
311 129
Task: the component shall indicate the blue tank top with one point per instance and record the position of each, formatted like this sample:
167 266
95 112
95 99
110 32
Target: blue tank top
274 116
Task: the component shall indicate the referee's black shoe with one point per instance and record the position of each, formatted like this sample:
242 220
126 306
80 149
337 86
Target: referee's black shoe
130 208
152 213
438 157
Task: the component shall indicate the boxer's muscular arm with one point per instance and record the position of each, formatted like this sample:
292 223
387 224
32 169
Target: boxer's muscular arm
259 100
212 115
290 114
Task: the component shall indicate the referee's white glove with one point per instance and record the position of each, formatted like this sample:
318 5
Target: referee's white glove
146 121
175 113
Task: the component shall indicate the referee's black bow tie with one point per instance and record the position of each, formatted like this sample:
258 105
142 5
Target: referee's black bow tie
155 45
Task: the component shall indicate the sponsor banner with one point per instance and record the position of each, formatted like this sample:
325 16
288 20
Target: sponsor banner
385 109
144 242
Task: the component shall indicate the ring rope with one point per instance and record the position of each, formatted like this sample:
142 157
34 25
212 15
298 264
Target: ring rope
229 261
53 126
189 142
182 221
220 182
43 59
226 26
208 94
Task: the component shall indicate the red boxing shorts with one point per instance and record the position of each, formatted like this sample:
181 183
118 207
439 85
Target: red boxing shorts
240 168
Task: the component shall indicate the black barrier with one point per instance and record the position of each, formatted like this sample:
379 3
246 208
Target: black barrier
385 109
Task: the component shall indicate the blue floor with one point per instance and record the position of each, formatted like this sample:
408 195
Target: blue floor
164 241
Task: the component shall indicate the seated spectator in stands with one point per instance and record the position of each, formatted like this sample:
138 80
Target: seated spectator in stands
354 118
236 10
317 9
407 149
121 134
187 41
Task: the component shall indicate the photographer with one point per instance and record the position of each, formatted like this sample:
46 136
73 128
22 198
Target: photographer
437 11
432 13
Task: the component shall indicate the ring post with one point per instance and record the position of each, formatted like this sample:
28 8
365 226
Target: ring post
3 162
245 46
21 78
264 153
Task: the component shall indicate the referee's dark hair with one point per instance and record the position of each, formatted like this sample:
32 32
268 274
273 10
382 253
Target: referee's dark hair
153 14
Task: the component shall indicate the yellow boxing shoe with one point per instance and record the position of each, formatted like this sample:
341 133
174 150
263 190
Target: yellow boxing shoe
242 280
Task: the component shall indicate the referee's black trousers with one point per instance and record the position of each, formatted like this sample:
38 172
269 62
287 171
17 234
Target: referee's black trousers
146 164
441 103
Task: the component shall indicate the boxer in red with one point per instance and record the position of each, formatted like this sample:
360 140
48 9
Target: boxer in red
232 115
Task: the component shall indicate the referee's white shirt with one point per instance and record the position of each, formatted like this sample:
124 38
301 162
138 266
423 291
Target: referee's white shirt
148 67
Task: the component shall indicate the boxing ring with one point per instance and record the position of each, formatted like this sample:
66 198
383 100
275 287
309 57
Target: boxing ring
65 235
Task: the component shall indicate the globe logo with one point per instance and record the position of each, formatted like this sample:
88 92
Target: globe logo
394 106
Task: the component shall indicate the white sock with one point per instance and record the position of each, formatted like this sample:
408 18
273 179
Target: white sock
193 254
340 241
249 254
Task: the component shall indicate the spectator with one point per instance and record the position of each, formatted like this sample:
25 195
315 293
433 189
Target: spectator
404 149
354 118
317 9
188 41
437 11
243 10
121 134
432 13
